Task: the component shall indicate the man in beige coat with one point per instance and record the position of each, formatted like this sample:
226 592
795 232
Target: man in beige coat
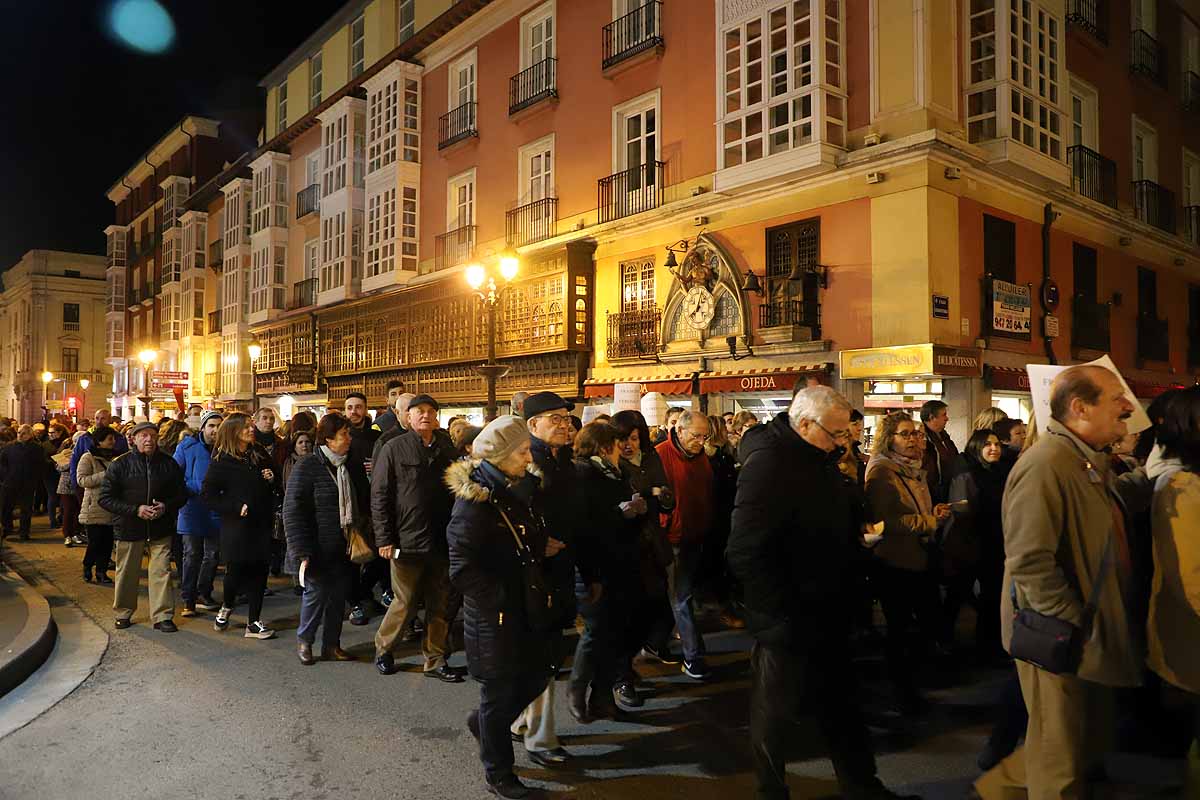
1061 506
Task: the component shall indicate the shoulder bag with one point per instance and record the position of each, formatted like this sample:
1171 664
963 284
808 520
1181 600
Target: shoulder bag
539 600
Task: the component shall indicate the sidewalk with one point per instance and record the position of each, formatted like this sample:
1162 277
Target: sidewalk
27 630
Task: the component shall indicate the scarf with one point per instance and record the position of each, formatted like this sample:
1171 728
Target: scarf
521 489
606 469
344 487
266 440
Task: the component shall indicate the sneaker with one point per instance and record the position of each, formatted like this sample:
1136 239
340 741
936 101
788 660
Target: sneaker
206 603
222 620
66 541
359 616
78 541
385 599
189 610
664 656
256 630
697 669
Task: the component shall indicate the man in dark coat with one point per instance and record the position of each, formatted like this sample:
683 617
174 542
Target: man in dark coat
941 462
410 508
392 417
144 490
796 524
363 436
22 465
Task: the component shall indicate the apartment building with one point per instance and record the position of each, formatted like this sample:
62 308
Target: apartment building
51 335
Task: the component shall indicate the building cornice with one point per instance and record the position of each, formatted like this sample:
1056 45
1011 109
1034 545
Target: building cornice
188 127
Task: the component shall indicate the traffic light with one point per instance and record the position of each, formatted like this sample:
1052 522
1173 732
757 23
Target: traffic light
72 403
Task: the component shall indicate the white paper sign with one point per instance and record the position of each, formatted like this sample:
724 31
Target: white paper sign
627 397
591 412
654 409
1042 375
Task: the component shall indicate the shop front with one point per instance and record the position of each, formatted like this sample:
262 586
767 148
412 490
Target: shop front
1010 391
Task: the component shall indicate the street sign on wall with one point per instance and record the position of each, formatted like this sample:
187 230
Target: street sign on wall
167 382
1011 309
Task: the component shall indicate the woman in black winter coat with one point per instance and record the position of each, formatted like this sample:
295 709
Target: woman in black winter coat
973 542
240 485
508 652
325 491
608 537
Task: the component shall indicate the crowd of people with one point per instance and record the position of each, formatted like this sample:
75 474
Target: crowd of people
536 524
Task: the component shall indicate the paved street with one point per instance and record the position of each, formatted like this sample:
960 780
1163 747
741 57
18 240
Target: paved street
200 713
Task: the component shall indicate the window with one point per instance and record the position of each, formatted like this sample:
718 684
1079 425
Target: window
314 81
281 120
1020 100
407 19
793 253
637 285
462 84
537 35
535 178
383 115
1145 151
635 136
1147 293
381 232
782 83
411 121
70 316
460 194
1084 115
70 359
335 146
999 248
1191 178
1085 273
358 50
1145 16
1191 46
312 169
312 251
408 229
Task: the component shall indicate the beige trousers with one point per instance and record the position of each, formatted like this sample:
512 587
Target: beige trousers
428 578
536 722
1070 732
129 574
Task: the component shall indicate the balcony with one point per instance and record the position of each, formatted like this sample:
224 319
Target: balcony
456 125
454 247
216 254
1148 57
1090 16
1191 224
637 32
214 322
790 312
532 222
304 294
1152 341
1093 175
1089 324
70 326
632 334
631 191
1191 91
308 200
532 85
1154 205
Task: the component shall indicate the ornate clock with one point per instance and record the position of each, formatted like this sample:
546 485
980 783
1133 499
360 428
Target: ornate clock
699 307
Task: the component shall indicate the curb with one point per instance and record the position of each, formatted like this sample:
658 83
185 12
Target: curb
29 650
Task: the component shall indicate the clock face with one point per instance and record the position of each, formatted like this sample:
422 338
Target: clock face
698 307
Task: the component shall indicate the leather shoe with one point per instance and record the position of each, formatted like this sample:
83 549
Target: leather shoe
550 758
304 653
122 624
385 664
509 787
626 695
518 738
336 653
165 626
445 674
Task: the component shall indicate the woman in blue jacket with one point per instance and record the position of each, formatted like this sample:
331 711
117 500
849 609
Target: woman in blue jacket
199 525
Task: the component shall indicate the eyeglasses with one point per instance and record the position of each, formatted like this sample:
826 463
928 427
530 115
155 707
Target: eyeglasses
835 435
558 419
908 435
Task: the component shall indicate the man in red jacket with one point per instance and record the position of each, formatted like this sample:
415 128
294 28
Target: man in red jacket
690 476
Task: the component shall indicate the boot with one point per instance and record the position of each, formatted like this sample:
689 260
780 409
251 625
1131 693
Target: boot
577 703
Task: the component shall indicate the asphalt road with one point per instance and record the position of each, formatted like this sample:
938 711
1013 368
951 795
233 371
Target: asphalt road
206 714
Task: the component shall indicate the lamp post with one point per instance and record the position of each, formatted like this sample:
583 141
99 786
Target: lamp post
147 358
47 377
483 283
254 350
84 383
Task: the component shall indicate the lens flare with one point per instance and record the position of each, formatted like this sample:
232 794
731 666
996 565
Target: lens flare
142 25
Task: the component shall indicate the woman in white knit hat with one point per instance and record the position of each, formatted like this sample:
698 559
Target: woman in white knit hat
497 545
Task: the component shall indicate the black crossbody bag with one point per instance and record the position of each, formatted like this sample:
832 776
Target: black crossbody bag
539 600
1054 644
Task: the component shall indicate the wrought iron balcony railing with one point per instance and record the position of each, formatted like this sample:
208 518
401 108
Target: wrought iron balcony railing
790 312
1153 343
1090 16
636 32
631 191
457 124
1090 324
1191 224
1093 175
1154 205
533 85
214 321
1191 91
532 222
454 247
632 334
308 200
304 293
1148 57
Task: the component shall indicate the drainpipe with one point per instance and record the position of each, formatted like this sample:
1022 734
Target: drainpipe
191 154
1048 217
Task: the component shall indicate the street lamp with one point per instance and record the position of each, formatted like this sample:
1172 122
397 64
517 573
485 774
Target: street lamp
47 376
254 350
483 283
84 383
147 358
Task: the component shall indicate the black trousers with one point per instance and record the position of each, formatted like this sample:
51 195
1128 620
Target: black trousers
250 578
907 597
14 496
365 578
822 682
501 700
99 547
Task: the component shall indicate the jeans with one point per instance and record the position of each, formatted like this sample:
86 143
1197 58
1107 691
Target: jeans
199 566
601 646
249 578
500 701
52 504
324 601
683 574
824 680
99 548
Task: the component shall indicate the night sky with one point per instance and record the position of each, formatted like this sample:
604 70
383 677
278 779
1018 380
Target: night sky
81 107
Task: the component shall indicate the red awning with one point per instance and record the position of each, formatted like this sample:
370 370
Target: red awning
1010 379
664 384
778 379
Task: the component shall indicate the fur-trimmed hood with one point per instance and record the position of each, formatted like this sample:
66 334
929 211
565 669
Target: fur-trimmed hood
458 479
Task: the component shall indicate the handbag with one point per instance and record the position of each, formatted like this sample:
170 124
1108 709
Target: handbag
539 600
357 547
1050 643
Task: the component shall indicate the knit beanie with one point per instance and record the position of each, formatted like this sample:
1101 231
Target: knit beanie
207 415
500 438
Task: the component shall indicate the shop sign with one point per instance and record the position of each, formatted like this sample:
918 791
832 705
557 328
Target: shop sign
941 306
165 382
1011 380
301 374
1011 309
910 361
768 382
